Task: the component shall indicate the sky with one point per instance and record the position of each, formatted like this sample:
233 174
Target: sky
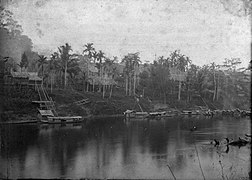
202 30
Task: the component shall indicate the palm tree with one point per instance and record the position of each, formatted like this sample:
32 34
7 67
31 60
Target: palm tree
41 62
89 50
52 67
181 63
100 58
127 73
111 71
213 69
65 57
136 61
131 62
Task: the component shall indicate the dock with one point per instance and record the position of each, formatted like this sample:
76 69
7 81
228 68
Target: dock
47 110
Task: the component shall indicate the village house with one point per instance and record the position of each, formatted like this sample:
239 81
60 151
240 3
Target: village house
23 78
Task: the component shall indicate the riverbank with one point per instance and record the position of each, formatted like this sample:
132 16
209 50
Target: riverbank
20 109
32 121
65 101
17 109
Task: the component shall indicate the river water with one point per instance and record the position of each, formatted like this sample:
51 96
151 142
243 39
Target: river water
118 148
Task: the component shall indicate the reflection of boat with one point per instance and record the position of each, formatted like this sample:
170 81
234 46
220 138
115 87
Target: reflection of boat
46 126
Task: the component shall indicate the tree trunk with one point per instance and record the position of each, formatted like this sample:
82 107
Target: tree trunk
126 84
84 86
87 86
164 98
130 85
93 85
111 89
103 91
179 91
41 73
188 93
65 75
51 83
100 85
217 87
214 95
134 85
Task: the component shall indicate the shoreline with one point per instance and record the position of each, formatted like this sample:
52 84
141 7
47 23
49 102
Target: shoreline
90 117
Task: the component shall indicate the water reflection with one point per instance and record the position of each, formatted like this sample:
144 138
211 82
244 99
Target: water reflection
116 148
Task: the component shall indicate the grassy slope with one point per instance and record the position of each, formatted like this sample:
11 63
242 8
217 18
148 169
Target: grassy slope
19 104
117 104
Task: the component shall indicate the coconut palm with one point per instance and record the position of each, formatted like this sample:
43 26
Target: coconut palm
111 71
127 73
136 62
65 57
89 50
100 57
52 67
41 62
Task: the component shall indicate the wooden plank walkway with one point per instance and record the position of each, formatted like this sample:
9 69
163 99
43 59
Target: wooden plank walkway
41 102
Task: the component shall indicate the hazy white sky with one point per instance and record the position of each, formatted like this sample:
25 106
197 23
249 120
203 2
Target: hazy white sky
202 30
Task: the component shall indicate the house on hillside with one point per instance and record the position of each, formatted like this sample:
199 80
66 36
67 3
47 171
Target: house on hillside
23 78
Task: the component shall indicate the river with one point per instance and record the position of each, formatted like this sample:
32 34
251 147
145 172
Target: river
117 148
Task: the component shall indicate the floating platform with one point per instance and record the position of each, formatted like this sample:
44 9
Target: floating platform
47 116
62 119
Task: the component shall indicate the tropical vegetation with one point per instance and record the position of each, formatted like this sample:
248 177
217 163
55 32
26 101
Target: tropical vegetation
172 80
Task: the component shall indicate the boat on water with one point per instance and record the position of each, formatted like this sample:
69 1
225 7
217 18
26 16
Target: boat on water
141 115
162 114
135 114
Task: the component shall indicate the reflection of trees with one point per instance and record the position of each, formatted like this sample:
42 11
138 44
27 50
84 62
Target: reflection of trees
126 144
16 139
160 140
62 144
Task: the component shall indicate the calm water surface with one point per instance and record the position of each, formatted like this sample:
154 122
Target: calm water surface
116 148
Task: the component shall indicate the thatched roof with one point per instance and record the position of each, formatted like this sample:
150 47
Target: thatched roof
33 76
